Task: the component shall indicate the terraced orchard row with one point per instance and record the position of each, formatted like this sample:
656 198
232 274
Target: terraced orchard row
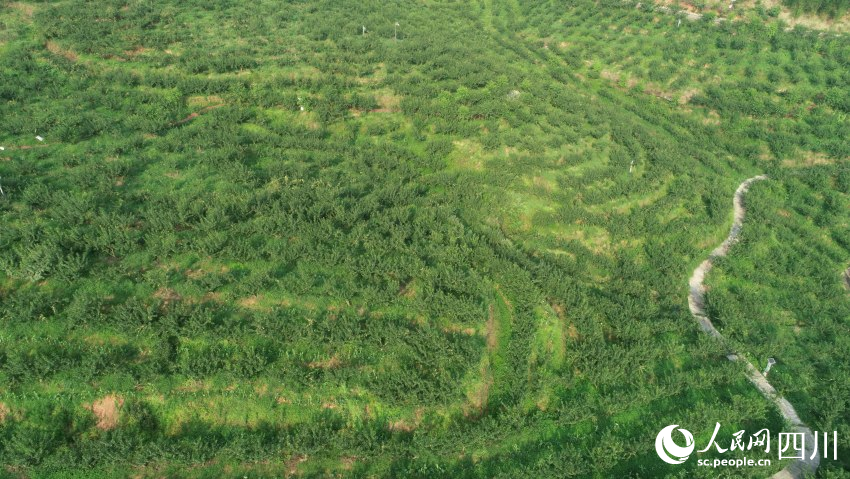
257 241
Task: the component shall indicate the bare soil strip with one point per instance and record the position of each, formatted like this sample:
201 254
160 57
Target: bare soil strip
28 147
198 113
696 301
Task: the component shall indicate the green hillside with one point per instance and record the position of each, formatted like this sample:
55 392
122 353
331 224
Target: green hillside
267 239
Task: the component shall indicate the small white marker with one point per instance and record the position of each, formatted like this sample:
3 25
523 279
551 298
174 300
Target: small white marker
770 362
39 138
2 148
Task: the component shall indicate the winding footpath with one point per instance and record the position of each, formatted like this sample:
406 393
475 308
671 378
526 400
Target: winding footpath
696 301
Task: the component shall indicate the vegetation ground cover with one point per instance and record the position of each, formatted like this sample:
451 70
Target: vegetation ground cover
257 239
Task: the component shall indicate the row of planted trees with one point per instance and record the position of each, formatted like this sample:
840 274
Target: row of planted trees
261 282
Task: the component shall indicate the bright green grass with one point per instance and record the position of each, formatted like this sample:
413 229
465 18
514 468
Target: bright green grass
421 274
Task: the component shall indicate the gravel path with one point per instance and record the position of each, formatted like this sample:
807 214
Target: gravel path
696 302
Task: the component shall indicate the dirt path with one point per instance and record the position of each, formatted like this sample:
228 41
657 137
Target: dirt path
696 302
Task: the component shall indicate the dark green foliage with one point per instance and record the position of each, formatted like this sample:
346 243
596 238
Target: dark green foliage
831 8
284 244
783 295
